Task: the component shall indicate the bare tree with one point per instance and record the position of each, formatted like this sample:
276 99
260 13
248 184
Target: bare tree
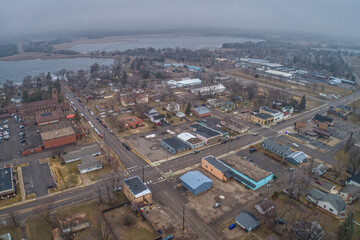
353 160
301 186
13 219
338 169
349 143
101 229
140 110
112 102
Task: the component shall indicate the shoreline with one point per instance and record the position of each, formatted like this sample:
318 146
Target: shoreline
44 56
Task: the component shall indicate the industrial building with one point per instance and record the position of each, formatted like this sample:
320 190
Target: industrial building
201 111
280 74
174 145
296 158
89 164
59 137
208 90
184 82
136 191
196 182
93 150
216 168
7 182
190 140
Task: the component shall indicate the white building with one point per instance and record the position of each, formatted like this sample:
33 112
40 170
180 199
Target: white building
190 140
207 90
184 82
89 164
280 74
278 116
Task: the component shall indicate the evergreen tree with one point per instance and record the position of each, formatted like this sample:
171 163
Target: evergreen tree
77 116
188 109
124 78
346 230
303 103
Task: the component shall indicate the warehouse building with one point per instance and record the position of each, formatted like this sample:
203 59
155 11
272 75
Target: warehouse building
7 182
216 168
58 137
209 90
184 82
93 150
206 134
196 182
46 118
136 191
174 145
190 140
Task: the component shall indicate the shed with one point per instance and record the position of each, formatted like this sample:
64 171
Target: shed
319 169
247 221
196 182
296 158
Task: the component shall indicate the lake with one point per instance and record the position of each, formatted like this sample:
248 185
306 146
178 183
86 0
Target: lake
17 70
172 41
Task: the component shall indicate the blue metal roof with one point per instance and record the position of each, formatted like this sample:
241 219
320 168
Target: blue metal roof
195 179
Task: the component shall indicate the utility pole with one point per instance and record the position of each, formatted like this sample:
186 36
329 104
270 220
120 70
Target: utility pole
183 217
143 175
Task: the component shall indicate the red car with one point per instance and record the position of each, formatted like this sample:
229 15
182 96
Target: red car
318 182
100 135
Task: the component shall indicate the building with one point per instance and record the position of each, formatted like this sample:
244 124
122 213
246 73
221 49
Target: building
264 206
247 221
278 116
190 140
206 134
102 107
184 82
7 182
227 106
340 111
296 158
234 125
173 107
150 111
194 68
261 118
354 180
158 118
215 102
174 145
136 191
5 236
320 169
216 168
131 122
46 118
288 109
89 164
208 90
180 114
246 172
196 182
59 137
349 193
327 201
323 119
75 223
201 111
93 150
328 187
335 82
281 74
278 149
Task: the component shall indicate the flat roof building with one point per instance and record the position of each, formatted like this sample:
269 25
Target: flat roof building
7 184
89 164
73 156
190 140
58 137
196 182
174 145
216 167
136 191
261 118
206 134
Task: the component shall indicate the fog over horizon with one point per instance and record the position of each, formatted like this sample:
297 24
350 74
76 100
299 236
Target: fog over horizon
330 17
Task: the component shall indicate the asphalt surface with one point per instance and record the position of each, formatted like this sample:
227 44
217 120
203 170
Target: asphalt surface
163 191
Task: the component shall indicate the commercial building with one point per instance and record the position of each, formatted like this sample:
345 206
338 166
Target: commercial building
234 125
296 158
209 90
59 137
261 118
216 167
93 150
201 111
46 118
278 116
136 191
196 182
206 134
174 145
340 111
130 122
327 201
247 221
323 119
184 82
194 68
280 150
7 182
89 164
280 74
190 140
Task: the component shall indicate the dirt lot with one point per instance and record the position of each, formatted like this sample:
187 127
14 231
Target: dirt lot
126 225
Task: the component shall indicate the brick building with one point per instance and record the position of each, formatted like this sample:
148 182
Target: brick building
131 122
136 191
58 137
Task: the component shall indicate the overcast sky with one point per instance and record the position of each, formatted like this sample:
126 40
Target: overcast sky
336 17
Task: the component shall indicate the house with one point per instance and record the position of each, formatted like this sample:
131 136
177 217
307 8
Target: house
234 125
173 107
327 201
215 102
201 111
190 140
288 109
278 149
320 169
75 223
296 158
7 182
349 193
196 182
216 168
16 100
208 90
102 107
323 119
136 191
278 116
206 134
247 221
93 150
328 187
308 230
150 111
131 122
227 106
261 118
354 180
264 206
174 145
158 118
180 114
89 164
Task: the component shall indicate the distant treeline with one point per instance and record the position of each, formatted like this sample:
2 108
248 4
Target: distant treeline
46 46
8 50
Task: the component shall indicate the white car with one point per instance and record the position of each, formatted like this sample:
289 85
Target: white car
91 112
295 145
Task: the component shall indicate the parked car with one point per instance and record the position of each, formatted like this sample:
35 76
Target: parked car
318 182
23 140
126 146
232 226
216 205
251 150
195 151
22 126
237 137
255 134
224 141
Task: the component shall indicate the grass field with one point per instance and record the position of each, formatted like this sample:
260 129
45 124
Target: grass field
38 228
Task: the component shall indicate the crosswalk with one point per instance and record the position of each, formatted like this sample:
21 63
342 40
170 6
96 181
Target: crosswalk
155 181
136 168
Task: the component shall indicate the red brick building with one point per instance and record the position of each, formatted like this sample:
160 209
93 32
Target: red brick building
58 137
46 118
201 111
131 122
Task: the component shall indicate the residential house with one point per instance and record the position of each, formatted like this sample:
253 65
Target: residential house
201 111
354 180
349 193
216 167
173 107
320 169
227 106
328 187
89 164
158 118
340 111
323 119
278 116
75 223
296 158
215 102
150 111
327 201
247 221
261 118
174 145
264 206
288 109
190 140
136 191
278 149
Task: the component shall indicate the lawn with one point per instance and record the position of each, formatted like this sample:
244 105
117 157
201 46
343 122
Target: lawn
38 228
14 231
95 175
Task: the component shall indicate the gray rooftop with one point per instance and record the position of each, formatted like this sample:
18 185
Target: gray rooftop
276 146
135 185
263 116
194 179
175 143
205 131
352 190
202 110
6 182
89 150
247 220
333 199
217 164
270 110
298 156
87 162
327 186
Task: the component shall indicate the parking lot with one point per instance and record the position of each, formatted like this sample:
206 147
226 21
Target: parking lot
9 148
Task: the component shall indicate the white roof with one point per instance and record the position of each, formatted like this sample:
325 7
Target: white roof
147 191
279 73
189 81
185 136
